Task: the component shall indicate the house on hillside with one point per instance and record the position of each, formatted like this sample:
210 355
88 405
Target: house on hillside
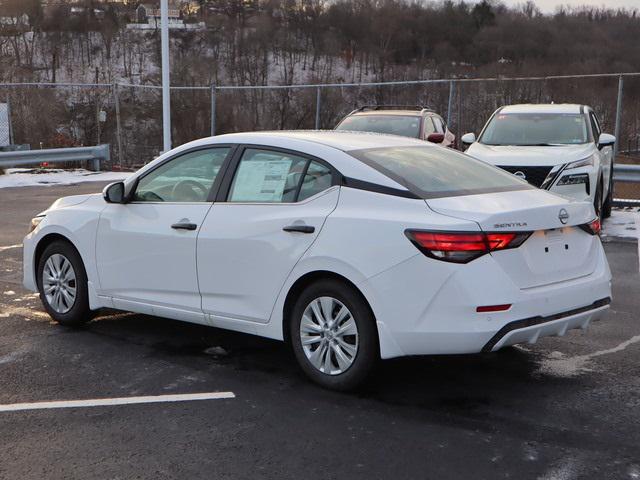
148 17
147 13
14 21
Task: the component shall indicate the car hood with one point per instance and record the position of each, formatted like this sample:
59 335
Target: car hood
70 201
508 155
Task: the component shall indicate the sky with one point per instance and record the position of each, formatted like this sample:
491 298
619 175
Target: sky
549 6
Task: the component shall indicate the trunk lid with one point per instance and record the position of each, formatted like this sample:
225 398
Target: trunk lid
558 250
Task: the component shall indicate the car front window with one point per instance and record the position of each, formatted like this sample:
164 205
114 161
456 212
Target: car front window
434 172
187 178
404 125
529 129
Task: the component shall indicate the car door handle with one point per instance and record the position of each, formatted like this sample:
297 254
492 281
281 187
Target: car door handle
184 226
300 228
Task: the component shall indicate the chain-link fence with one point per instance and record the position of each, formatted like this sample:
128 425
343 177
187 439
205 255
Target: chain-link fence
129 117
5 124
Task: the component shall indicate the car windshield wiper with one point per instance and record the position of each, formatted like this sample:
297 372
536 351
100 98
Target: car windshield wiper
540 145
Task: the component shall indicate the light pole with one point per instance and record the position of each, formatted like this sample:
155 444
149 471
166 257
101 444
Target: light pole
166 98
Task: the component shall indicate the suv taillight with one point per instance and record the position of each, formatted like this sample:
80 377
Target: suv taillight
462 247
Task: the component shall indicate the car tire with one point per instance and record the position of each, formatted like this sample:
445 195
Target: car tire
606 206
62 283
340 334
597 201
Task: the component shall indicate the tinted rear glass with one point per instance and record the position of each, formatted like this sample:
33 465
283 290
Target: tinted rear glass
432 172
406 126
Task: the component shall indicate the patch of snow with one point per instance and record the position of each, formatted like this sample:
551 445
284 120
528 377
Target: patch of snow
559 366
623 223
28 177
566 469
216 351
530 453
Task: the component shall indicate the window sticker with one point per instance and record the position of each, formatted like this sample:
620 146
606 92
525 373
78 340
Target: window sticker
261 179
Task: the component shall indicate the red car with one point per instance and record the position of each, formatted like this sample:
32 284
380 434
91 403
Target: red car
407 121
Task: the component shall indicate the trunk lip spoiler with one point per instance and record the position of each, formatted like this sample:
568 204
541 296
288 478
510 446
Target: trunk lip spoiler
540 320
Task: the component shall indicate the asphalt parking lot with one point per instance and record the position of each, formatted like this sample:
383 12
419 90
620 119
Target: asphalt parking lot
565 408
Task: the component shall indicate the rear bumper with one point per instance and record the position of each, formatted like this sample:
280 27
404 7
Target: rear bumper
428 307
528 330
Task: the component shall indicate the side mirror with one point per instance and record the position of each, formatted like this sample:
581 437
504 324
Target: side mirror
114 193
606 140
435 137
468 138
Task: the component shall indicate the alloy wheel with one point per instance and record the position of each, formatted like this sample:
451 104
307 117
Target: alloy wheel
329 335
59 283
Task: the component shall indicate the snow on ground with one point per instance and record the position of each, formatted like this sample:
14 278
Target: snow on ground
624 222
26 177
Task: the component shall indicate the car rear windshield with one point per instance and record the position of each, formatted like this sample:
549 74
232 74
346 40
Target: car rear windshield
536 129
433 172
406 126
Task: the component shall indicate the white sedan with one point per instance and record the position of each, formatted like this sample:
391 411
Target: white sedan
349 246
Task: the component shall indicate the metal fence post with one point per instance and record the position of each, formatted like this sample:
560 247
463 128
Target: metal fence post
118 123
213 110
318 104
618 116
11 139
459 112
450 103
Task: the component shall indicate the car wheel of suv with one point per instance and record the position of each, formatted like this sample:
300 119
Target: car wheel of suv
333 335
597 201
62 283
606 206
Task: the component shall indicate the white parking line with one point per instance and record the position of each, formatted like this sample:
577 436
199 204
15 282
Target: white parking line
2 249
105 402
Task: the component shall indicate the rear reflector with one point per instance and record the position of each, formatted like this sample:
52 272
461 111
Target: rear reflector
594 227
493 308
462 247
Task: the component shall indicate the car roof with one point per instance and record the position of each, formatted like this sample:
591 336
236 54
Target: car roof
340 140
402 113
330 145
544 108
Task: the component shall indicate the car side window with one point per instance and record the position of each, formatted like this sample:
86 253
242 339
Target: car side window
186 178
266 176
429 127
317 179
439 123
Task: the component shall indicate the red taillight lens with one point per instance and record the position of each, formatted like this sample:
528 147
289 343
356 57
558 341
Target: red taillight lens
498 241
462 247
594 227
493 308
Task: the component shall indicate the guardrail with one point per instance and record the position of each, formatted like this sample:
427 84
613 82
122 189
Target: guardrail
623 172
94 155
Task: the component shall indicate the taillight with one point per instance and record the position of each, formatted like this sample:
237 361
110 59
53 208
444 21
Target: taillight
462 247
594 227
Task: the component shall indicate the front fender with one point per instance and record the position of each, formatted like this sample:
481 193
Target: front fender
77 224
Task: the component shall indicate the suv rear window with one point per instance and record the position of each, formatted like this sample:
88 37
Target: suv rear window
406 126
431 172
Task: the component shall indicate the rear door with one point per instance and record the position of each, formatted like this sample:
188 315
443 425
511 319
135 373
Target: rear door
271 207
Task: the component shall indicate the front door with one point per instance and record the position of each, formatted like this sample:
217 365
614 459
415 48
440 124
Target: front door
146 249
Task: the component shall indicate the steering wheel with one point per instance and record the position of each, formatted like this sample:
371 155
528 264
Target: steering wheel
189 190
